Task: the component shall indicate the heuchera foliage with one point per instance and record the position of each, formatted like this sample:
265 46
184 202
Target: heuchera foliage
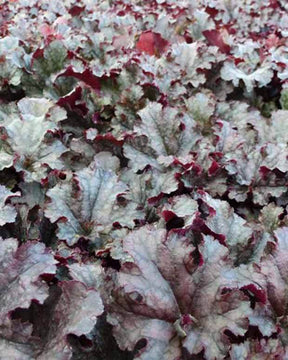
143 179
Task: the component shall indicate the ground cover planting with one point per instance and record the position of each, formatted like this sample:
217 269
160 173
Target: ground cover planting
143 180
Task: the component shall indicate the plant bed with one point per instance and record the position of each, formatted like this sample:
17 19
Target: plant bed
143 180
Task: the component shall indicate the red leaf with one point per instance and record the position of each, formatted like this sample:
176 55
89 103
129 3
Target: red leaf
168 215
72 101
152 43
213 168
39 53
86 76
76 10
215 38
47 30
260 295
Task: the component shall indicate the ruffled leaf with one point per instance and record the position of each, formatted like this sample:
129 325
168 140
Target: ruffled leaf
87 205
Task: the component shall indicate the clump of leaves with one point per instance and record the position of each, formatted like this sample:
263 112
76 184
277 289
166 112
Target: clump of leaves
143 180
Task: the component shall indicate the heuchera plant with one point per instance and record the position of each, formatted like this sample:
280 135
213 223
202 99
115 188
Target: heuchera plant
143 180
